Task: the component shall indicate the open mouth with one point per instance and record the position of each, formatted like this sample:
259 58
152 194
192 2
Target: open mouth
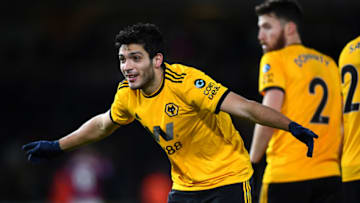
131 78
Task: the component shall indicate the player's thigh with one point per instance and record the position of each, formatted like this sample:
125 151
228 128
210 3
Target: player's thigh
351 191
294 192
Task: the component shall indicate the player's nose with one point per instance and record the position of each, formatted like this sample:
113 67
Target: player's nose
126 66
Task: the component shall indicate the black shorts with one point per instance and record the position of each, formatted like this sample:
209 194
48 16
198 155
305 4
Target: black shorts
322 190
235 193
351 191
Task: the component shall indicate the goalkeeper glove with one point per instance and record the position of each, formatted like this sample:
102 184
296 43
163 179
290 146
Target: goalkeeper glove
304 135
40 151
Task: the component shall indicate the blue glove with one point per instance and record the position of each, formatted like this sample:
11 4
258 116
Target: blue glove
304 135
39 151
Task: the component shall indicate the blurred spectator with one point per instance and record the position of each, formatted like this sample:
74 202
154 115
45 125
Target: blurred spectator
81 179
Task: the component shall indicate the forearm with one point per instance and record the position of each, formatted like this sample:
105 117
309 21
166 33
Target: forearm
267 116
93 130
261 138
239 106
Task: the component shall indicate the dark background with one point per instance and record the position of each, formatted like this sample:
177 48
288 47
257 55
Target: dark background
59 68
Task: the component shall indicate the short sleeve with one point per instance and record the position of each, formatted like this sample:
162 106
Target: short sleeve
204 92
119 113
270 73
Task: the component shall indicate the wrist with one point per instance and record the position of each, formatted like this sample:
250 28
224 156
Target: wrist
292 125
57 147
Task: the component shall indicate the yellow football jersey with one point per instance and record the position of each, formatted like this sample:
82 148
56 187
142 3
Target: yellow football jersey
312 97
349 63
183 115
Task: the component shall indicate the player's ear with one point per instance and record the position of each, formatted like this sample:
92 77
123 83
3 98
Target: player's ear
290 28
158 59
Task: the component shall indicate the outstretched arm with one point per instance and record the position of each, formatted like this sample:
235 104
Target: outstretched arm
93 130
239 106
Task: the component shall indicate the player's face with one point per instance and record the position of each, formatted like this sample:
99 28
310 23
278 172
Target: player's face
136 66
271 33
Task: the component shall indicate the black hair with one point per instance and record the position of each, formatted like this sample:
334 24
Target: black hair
146 34
288 10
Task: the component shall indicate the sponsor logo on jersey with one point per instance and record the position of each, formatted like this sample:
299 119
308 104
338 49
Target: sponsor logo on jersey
171 109
268 78
211 90
199 83
266 68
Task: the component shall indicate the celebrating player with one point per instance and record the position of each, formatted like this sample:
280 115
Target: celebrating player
187 113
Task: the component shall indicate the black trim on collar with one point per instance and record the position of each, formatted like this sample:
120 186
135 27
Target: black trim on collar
159 90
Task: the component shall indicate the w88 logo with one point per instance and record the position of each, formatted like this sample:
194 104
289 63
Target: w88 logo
170 150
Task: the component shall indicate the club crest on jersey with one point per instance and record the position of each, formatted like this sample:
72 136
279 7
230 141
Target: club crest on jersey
171 109
266 68
199 83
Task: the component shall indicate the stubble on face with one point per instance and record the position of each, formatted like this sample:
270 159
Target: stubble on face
272 35
279 42
136 66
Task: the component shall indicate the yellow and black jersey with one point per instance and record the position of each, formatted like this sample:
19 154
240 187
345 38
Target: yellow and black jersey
184 117
349 63
312 97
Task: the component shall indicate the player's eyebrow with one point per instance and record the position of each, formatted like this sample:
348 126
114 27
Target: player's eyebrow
133 53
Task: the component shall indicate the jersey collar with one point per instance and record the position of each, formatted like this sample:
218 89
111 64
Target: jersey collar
159 89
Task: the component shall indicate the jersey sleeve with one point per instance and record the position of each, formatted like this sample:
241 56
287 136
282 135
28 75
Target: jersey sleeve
119 113
203 92
271 74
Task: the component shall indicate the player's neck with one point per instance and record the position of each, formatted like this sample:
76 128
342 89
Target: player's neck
293 39
156 83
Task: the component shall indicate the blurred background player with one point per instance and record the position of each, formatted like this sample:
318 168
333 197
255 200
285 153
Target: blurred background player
303 84
349 64
187 114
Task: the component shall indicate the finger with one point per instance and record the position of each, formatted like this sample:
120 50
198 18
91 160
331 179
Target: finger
30 157
310 148
312 134
315 135
33 150
28 146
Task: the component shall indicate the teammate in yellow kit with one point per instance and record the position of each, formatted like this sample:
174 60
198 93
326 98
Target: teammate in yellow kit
304 85
349 64
187 113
